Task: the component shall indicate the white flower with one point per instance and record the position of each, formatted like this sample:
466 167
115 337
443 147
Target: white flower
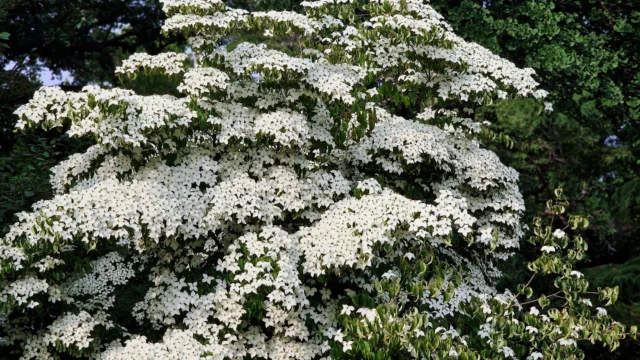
577 274
534 311
559 234
507 351
601 311
548 249
535 356
486 309
567 342
586 302
346 345
346 310
170 62
369 314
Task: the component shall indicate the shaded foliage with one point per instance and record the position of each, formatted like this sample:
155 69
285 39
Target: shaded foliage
585 52
86 39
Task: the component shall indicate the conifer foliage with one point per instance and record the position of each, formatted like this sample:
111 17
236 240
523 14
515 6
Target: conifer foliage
332 203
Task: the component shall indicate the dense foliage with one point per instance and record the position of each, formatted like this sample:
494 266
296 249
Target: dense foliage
586 54
334 201
86 40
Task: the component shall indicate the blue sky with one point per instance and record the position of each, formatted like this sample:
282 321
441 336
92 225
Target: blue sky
47 77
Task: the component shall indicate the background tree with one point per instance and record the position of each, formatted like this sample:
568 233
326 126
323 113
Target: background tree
586 52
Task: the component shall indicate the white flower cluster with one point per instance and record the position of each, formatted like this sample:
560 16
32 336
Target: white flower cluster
334 80
322 3
97 287
169 62
409 138
219 23
69 330
297 20
21 290
47 263
205 20
199 81
125 120
352 227
173 6
47 106
73 167
277 192
484 72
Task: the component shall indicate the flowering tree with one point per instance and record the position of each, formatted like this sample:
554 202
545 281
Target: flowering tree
334 204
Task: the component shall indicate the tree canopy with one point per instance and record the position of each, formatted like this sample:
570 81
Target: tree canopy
583 52
332 201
